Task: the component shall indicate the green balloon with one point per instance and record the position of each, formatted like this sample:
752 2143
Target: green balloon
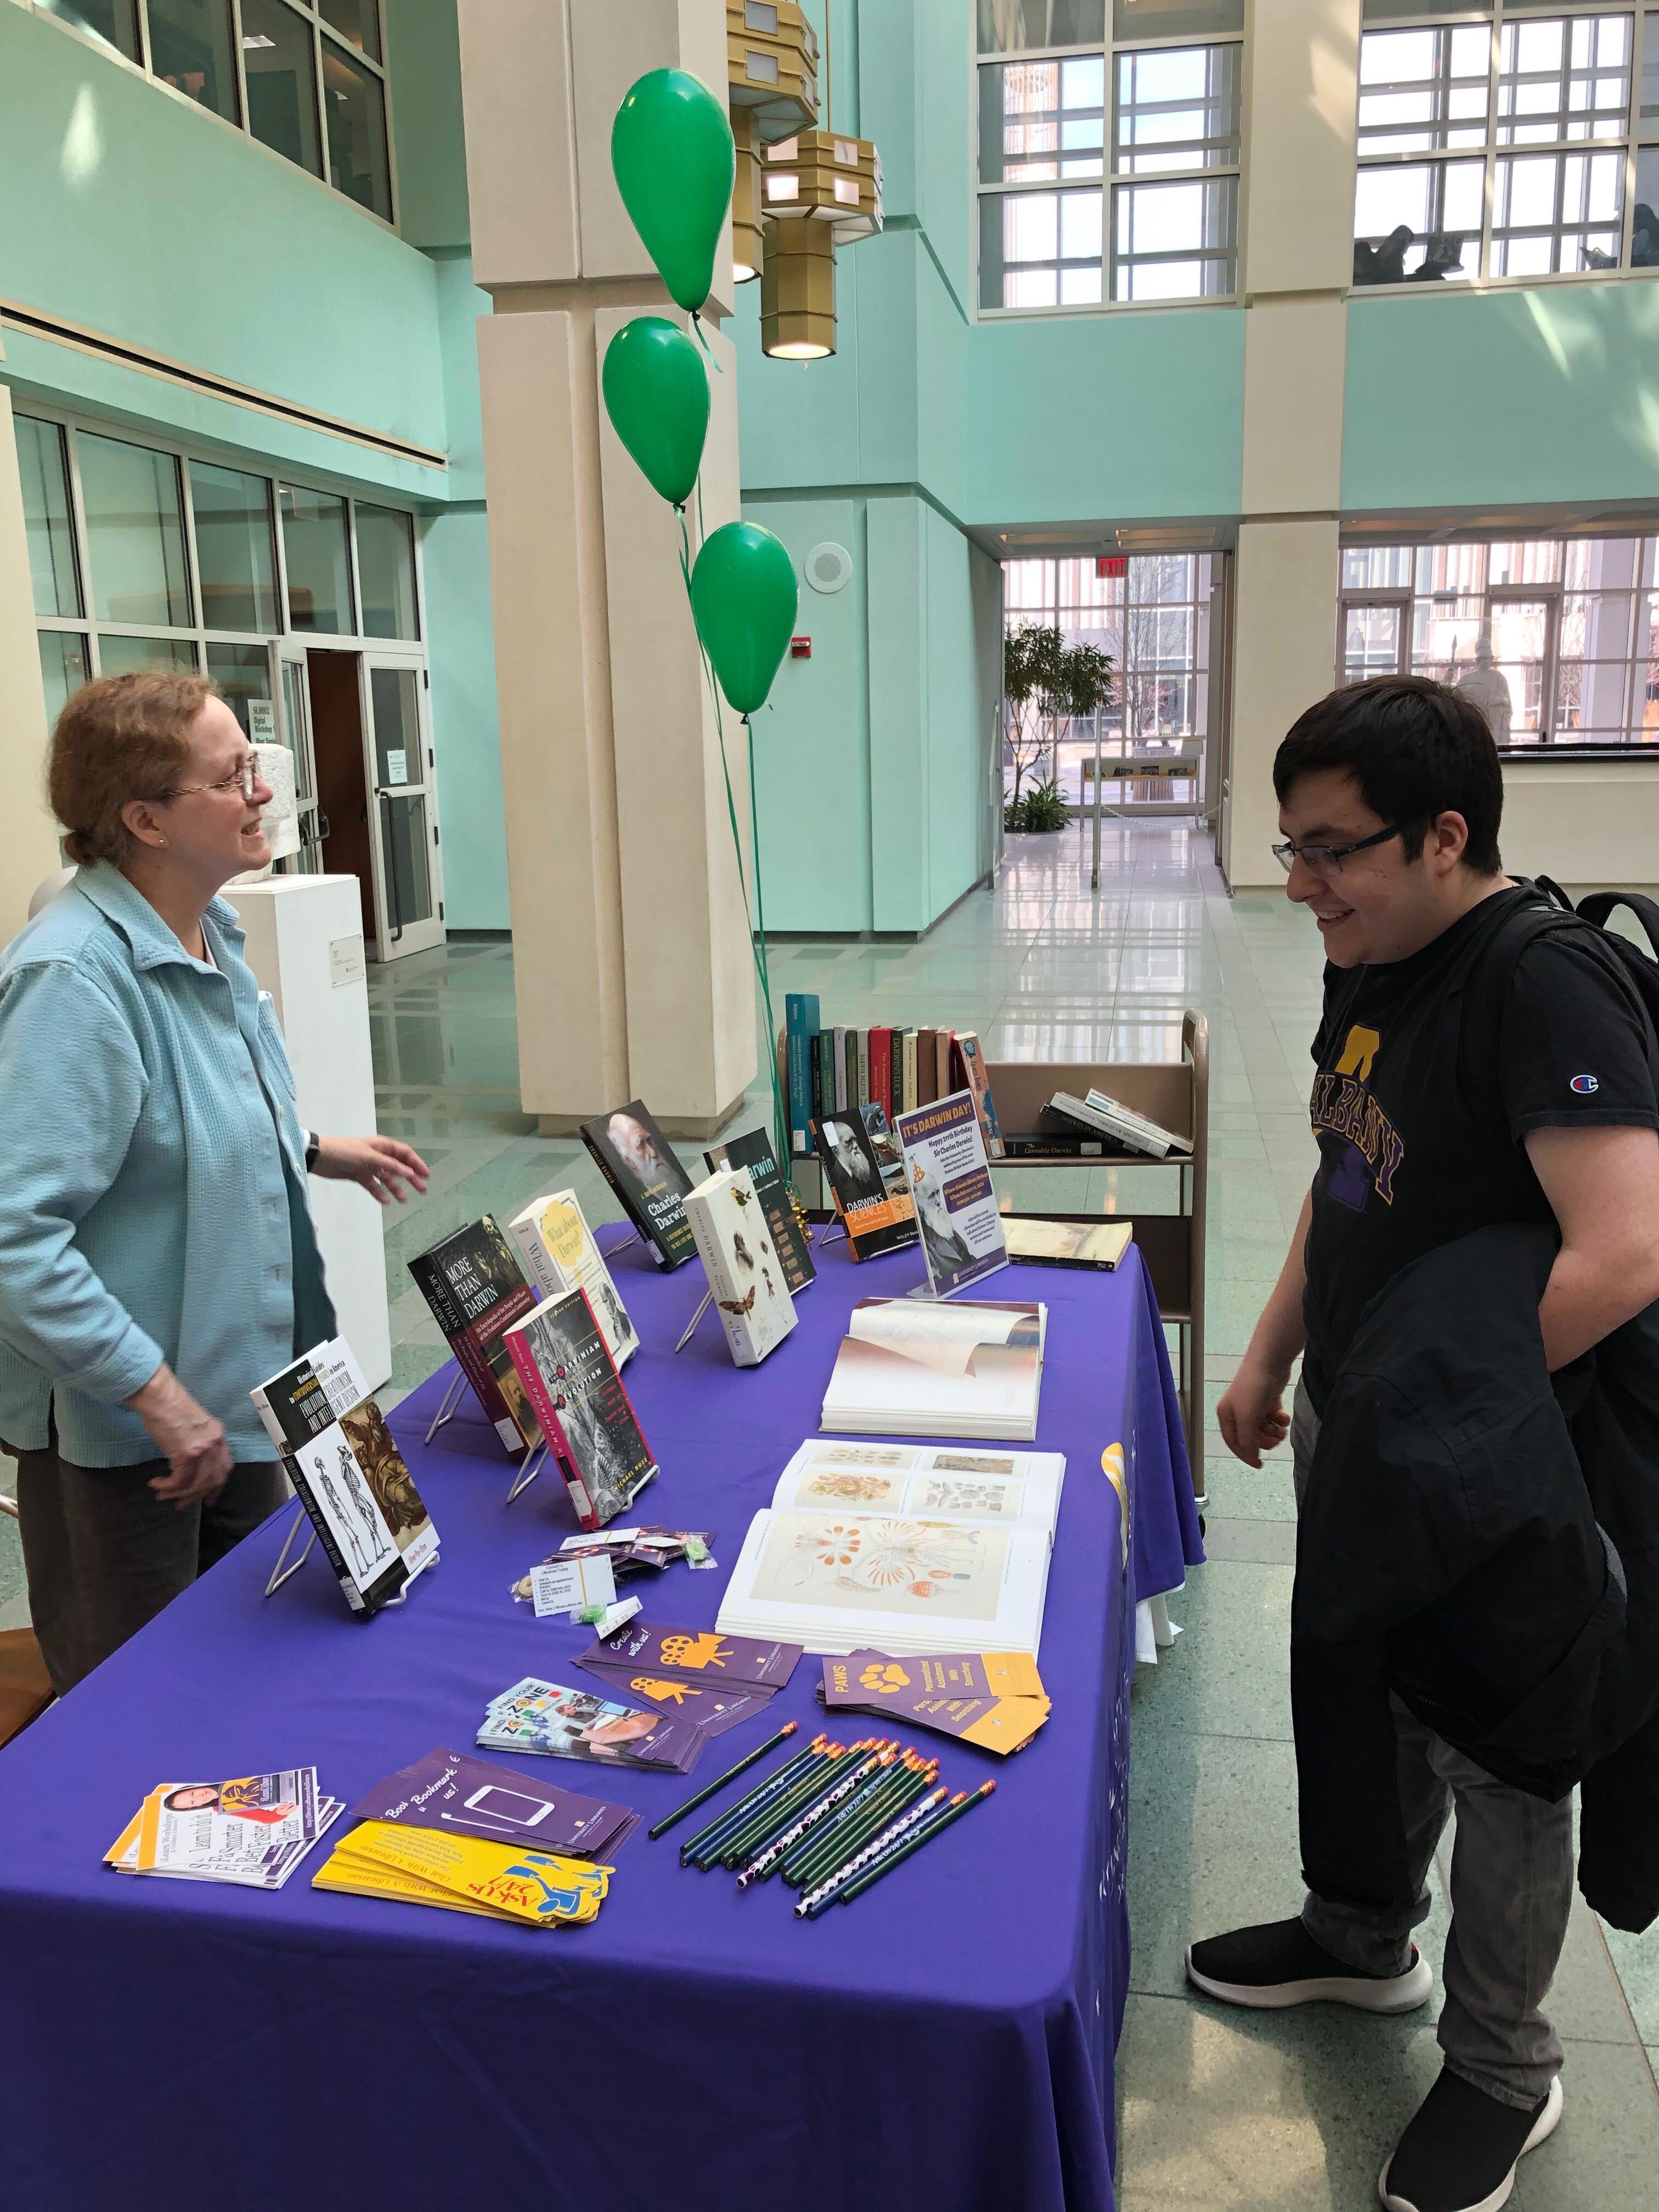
656 394
671 152
743 599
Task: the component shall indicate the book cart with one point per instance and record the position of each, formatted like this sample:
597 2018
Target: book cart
1175 1093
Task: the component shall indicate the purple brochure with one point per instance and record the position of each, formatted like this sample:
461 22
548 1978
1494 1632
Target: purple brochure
449 1791
711 1705
698 1654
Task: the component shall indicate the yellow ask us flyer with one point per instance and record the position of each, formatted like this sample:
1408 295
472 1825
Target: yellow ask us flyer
535 1887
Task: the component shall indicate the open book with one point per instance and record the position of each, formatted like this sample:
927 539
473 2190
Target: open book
929 1482
836 1582
908 1369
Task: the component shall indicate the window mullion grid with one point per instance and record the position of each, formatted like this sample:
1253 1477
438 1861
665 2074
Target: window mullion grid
1489 167
239 62
144 62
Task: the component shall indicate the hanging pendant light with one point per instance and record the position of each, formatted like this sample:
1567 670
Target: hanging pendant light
797 292
772 88
823 189
747 204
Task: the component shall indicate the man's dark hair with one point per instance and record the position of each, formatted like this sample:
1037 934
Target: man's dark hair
1416 749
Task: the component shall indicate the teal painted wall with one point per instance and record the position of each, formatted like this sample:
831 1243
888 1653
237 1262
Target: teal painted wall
1477 399
130 211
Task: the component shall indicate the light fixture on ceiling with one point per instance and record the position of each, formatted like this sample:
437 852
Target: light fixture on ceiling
823 189
772 88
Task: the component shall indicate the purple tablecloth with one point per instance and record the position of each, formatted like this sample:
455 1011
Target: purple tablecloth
944 2045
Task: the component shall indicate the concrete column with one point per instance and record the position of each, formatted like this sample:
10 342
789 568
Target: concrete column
1301 94
630 944
29 850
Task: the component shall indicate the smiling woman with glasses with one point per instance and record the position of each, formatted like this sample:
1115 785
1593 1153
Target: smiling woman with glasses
157 1258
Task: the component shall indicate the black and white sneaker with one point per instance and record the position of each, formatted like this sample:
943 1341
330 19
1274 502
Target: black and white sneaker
1280 1965
1460 2153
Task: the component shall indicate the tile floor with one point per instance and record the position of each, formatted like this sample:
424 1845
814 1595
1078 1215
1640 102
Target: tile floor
1294 2112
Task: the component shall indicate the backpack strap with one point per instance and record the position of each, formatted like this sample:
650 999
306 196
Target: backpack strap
1481 997
1596 906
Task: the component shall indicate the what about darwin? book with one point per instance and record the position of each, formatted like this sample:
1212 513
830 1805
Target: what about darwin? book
347 1473
642 1168
477 1290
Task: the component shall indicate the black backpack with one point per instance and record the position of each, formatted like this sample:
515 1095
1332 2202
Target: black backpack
1486 987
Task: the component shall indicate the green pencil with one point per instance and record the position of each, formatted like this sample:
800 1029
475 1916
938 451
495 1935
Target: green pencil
824 1892
858 1808
730 1775
849 1838
928 1830
753 1798
776 1813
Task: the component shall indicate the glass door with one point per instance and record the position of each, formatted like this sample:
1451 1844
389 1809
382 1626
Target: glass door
402 814
293 730
1376 637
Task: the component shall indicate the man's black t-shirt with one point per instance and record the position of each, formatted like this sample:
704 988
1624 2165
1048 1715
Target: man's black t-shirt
1416 1146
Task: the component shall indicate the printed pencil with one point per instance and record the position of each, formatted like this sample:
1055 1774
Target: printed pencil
824 1894
844 1838
777 1812
865 1805
760 1867
719 1783
746 1804
889 1860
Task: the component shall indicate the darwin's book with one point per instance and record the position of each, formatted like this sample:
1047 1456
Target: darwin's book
745 1273
927 1067
583 1406
1132 1131
881 1070
801 1011
923 1482
477 1290
965 1368
642 1167
970 1073
879 1218
557 1246
1099 1244
950 1181
349 1474
843 1099
907 1062
753 1151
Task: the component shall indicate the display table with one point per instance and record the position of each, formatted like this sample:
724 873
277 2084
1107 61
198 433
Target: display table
945 2045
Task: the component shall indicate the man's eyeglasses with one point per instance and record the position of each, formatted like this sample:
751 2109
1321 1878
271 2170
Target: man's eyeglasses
242 779
1327 859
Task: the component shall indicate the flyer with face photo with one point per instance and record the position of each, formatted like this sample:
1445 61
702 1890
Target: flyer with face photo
560 1724
950 1181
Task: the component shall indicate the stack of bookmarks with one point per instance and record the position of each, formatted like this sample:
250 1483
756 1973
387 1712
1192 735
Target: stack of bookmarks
252 1831
714 1681
992 1698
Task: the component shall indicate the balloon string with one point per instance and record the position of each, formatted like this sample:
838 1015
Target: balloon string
757 925
696 325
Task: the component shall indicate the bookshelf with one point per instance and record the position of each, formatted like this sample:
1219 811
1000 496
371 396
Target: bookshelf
1176 1094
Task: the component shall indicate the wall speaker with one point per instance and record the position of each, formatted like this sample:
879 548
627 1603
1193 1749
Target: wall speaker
828 567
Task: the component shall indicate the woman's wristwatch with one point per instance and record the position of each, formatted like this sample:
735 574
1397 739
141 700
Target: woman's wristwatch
313 1146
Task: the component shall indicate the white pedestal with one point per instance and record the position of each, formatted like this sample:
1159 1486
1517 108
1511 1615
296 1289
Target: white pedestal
305 944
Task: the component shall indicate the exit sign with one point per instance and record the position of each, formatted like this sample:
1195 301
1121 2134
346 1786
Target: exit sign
1111 564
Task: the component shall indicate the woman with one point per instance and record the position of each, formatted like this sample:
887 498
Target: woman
157 1258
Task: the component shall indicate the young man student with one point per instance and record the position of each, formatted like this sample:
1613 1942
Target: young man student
1389 798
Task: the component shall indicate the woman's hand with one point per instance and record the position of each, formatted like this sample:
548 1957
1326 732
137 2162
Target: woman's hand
380 1164
189 1439
1250 1412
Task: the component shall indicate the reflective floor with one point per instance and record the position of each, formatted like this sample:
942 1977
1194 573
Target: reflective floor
1293 2111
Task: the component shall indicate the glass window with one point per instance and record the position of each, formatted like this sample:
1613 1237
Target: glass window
1175 19
281 81
1041 120
395 701
1376 567
1175 241
318 567
62 669
1568 78
233 549
354 101
243 672
190 50
1645 224
135 532
356 20
1177 108
130 656
1557 211
1012 26
1040 249
1417 221
114 21
41 463
409 878
385 572
1423 91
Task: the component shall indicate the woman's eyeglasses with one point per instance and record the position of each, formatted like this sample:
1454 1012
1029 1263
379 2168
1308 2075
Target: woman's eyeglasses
1327 859
242 779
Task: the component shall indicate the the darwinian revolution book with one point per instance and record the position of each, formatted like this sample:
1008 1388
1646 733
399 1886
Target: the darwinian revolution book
584 1408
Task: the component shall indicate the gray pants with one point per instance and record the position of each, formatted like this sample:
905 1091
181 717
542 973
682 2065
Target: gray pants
103 1554
1512 1892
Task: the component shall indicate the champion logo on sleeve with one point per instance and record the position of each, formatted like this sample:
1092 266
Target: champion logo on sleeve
1584 1084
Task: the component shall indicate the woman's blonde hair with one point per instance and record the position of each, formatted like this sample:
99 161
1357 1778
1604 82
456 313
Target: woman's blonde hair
122 737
